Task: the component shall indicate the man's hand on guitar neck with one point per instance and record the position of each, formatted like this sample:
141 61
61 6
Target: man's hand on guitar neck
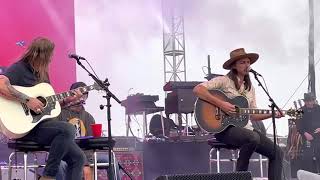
279 114
35 105
76 96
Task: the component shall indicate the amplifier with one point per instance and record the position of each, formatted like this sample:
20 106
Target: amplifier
127 143
17 173
131 161
218 176
180 101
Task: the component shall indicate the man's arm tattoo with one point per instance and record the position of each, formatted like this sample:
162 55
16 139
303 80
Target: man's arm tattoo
17 94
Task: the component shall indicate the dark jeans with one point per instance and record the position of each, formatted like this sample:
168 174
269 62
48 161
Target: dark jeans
249 142
311 157
60 136
63 168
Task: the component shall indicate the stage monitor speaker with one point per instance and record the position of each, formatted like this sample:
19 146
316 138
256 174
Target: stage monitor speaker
245 175
306 175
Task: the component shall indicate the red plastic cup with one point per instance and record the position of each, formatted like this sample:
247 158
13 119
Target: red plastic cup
96 130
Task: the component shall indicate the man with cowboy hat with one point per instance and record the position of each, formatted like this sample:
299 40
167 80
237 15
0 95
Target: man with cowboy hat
309 128
237 83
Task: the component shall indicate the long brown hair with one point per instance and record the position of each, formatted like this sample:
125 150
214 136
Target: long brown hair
38 55
233 76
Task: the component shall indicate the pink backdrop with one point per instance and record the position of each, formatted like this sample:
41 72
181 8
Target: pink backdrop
21 21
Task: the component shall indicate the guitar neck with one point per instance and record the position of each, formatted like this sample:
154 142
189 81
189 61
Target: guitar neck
257 111
61 96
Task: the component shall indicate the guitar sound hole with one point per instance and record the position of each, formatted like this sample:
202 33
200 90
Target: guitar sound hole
33 113
43 100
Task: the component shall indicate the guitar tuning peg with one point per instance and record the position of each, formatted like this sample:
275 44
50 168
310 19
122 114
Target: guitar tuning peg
300 104
295 104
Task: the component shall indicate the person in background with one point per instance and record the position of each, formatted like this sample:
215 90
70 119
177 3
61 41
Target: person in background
309 128
74 112
237 83
31 69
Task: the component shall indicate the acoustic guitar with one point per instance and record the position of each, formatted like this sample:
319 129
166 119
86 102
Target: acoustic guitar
212 119
16 119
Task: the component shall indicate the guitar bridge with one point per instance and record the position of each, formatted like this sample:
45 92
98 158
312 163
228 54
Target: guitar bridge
218 114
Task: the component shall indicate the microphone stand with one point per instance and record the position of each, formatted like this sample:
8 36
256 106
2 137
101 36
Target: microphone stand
273 107
104 85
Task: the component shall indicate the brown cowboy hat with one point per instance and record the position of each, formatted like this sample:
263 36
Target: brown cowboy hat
239 54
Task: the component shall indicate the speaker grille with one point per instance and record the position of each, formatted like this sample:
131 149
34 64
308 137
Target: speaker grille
217 176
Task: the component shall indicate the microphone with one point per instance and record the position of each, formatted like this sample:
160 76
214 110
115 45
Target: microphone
74 56
254 72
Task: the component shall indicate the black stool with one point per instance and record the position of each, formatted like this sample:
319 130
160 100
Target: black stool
25 148
217 146
100 144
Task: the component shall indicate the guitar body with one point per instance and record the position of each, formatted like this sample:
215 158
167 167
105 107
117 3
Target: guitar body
16 120
213 120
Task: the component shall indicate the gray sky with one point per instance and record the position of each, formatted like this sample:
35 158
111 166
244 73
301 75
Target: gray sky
123 41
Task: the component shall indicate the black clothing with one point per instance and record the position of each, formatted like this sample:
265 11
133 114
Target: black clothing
59 135
309 122
249 142
21 74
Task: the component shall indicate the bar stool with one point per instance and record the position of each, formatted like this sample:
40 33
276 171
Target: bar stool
101 144
25 148
217 146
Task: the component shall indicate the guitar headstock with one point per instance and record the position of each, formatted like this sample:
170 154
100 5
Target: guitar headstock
297 113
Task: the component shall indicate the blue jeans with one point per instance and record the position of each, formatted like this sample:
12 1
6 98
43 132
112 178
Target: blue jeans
60 136
63 168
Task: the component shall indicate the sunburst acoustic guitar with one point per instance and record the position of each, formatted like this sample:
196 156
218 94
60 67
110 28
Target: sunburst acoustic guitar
212 119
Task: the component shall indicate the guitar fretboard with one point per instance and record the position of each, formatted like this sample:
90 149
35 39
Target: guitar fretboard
256 111
61 96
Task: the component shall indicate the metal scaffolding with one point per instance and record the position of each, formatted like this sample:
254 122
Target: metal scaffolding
312 76
173 41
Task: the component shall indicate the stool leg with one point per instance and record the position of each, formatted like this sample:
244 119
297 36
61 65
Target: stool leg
95 172
10 165
210 160
234 160
218 160
35 162
261 165
25 158
115 168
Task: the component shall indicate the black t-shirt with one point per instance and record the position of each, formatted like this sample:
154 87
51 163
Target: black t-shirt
21 74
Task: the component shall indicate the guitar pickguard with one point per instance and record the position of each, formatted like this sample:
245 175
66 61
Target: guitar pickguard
46 111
